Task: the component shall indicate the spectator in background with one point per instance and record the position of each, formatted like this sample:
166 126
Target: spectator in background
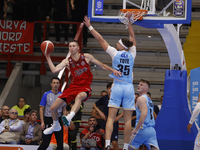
45 114
5 113
76 121
79 10
26 115
103 101
61 13
31 133
93 132
10 129
95 113
21 107
53 142
103 93
3 9
44 15
18 9
155 108
161 100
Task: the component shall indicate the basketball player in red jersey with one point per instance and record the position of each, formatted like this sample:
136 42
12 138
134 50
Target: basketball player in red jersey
79 88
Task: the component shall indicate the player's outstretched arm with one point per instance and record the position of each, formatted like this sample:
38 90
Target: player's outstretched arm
57 68
131 31
89 57
97 36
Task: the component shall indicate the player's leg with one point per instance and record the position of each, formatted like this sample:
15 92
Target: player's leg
128 106
55 106
109 124
54 113
114 104
78 100
127 127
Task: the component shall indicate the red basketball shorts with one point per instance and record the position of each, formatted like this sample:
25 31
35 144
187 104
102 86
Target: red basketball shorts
73 90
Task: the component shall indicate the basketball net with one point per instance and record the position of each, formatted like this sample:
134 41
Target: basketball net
137 14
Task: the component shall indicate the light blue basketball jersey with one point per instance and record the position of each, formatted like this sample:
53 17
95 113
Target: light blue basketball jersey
123 62
149 121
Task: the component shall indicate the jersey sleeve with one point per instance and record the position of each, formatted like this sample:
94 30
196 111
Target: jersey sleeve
43 100
133 51
111 51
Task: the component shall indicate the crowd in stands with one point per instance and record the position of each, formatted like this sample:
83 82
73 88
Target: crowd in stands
45 10
19 125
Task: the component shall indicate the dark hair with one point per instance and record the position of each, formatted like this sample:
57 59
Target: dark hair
145 81
137 94
55 78
103 91
27 111
109 85
74 41
149 94
92 117
126 42
33 111
23 98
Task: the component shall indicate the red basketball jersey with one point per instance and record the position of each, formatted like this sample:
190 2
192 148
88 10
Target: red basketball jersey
80 70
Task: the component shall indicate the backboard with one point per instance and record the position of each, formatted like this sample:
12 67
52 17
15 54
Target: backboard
159 11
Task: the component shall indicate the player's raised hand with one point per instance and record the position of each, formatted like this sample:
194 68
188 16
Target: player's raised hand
87 21
129 14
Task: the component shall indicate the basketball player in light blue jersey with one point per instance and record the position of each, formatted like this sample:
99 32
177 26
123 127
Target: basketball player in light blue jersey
122 91
195 113
144 131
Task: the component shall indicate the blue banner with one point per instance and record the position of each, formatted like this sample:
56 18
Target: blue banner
194 89
99 7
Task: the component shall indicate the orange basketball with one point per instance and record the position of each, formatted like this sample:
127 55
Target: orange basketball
47 47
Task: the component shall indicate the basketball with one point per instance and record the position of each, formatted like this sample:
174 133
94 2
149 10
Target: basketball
47 47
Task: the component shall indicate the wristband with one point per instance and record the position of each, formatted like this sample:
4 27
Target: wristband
90 28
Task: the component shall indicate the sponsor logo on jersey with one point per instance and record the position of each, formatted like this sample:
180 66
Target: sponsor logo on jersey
125 55
78 72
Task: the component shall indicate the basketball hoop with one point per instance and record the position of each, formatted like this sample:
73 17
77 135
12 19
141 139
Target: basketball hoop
137 15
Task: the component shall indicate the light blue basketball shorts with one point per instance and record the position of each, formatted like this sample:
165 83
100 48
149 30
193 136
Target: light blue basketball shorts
146 135
122 93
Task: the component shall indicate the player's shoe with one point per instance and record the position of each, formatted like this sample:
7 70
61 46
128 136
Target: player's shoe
66 122
54 127
107 148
